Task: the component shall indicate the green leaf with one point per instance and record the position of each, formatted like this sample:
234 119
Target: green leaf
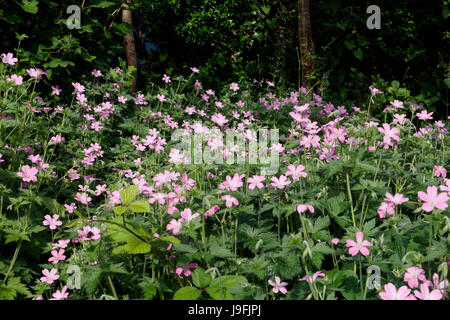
219 289
121 249
103 4
30 6
139 206
119 209
187 293
137 246
171 239
358 53
200 278
128 195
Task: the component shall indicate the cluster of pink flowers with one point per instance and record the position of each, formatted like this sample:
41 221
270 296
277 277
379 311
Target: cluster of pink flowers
151 141
389 204
429 290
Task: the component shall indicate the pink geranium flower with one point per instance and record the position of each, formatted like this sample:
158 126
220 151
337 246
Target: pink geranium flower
396 199
234 86
88 233
359 246
391 293
280 183
425 294
389 134
52 222
256 182
57 256
313 278
303 207
174 225
278 286
439 171
296 172
28 174
212 211
385 207
186 215
413 275
232 184
433 199
230 201
60 295
8 58
49 276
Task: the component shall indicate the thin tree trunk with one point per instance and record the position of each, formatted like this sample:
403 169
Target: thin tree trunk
130 46
306 44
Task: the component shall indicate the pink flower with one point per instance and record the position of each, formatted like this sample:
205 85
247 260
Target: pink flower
83 198
441 286
425 294
313 278
335 241
195 70
232 184
60 245
256 182
9 59
234 86
385 207
359 246
396 200
280 183
186 215
60 295
389 134
296 172
433 199
391 293
52 222
96 73
303 207
161 97
28 174
88 233
230 201
211 211
174 225
18 80
413 275
56 139
122 99
278 286
57 256
70 207
35 73
49 276
375 91
439 171
186 269
424 115
166 78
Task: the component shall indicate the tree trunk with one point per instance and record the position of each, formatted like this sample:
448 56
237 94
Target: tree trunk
130 46
306 44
